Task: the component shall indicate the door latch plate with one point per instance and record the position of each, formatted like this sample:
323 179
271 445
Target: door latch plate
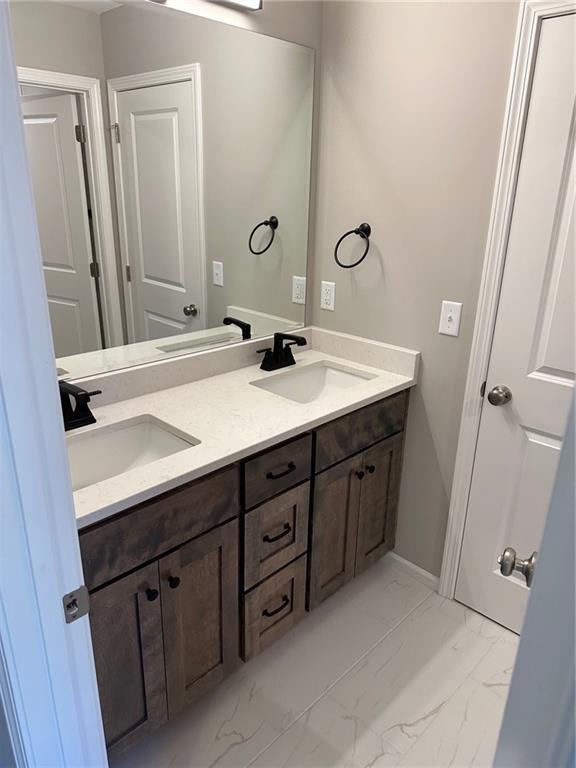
76 604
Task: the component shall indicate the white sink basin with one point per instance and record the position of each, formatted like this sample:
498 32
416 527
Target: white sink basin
112 450
311 382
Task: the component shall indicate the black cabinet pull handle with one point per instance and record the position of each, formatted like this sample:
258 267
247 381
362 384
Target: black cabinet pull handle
173 582
360 474
285 531
370 468
283 603
152 594
272 476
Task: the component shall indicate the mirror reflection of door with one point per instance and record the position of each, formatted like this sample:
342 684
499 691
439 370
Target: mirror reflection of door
59 186
158 182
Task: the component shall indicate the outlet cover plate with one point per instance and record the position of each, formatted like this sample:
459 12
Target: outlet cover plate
327 295
298 290
218 273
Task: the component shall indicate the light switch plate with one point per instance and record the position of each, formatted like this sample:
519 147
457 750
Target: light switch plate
218 273
298 290
450 318
327 295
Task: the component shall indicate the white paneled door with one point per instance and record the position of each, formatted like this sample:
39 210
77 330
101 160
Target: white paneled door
533 347
56 169
159 175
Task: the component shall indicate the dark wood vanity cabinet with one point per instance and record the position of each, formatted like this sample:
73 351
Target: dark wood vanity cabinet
355 500
199 587
126 626
185 584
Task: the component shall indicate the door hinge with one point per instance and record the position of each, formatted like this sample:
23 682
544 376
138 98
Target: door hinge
483 389
80 131
116 129
94 270
76 604
128 274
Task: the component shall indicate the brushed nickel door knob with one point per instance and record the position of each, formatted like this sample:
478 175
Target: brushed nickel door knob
509 563
499 395
190 310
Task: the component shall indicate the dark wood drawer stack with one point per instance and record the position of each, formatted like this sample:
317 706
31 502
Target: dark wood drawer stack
275 542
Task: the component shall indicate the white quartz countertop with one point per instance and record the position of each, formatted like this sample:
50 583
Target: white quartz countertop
230 418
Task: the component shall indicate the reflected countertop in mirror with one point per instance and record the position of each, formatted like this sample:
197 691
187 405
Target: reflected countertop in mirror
170 160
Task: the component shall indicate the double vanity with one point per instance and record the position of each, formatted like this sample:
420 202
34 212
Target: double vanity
213 515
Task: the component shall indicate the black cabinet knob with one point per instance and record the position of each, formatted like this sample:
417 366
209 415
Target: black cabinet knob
152 594
360 474
173 582
370 468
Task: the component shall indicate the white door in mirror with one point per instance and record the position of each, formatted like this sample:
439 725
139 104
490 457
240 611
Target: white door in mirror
450 318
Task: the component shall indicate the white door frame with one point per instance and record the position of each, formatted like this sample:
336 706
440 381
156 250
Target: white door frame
47 676
186 73
532 14
88 90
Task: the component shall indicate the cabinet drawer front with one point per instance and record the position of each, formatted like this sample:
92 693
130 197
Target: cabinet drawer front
272 608
276 470
275 533
360 429
126 627
199 586
146 531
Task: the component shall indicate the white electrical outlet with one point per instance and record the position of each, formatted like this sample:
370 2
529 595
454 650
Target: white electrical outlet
327 295
218 273
298 290
450 318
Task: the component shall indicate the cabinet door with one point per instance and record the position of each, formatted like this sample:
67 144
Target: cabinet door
126 626
334 526
378 501
199 585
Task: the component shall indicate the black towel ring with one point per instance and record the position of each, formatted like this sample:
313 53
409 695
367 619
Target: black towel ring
364 230
272 222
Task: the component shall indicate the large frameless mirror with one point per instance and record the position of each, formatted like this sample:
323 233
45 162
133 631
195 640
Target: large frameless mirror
170 162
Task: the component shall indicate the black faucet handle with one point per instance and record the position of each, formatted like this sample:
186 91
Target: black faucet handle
262 351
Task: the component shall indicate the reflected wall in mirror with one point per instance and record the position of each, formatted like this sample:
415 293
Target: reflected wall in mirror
170 162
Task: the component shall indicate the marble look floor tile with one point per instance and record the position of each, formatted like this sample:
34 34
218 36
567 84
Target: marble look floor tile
225 729
464 733
404 682
290 675
325 737
495 670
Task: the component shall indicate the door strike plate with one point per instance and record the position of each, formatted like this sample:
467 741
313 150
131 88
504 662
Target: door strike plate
76 604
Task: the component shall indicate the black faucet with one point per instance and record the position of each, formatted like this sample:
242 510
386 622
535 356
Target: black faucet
281 355
246 328
79 414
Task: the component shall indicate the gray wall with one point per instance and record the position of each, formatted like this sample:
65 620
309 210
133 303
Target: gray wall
412 104
257 123
57 37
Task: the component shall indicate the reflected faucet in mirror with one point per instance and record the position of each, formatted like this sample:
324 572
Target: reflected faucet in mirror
244 327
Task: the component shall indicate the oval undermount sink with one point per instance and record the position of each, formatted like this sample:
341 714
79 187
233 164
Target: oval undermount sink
104 452
311 382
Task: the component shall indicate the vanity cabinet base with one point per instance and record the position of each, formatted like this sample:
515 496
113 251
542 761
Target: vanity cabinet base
185 585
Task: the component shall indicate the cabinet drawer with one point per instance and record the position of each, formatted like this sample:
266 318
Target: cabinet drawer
275 533
146 531
272 608
360 429
276 470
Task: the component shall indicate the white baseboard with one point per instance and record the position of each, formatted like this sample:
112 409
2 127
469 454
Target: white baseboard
425 577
